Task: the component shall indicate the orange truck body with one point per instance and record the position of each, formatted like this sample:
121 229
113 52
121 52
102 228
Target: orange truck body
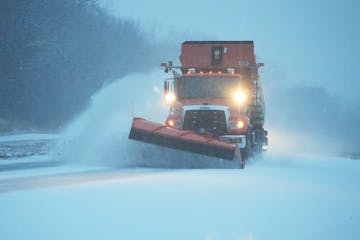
216 103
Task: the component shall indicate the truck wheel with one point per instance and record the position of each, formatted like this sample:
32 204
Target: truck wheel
247 151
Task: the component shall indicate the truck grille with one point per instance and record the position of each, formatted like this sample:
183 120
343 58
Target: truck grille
202 121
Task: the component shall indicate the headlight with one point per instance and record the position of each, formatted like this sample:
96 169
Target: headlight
170 123
240 97
240 124
169 98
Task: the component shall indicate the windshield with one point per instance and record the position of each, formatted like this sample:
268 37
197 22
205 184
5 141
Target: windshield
205 86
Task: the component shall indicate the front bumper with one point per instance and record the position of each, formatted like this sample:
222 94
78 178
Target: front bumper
239 140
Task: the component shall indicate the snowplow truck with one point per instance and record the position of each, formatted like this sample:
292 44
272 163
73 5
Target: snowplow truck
216 103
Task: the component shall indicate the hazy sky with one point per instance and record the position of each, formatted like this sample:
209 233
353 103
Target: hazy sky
304 42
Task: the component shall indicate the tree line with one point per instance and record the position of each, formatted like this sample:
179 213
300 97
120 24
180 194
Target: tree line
55 54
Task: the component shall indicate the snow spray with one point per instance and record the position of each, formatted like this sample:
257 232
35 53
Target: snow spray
99 135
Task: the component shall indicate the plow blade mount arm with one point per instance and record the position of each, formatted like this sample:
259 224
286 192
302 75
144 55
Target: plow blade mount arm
159 134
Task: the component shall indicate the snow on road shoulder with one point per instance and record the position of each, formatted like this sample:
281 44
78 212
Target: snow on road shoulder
27 137
19 146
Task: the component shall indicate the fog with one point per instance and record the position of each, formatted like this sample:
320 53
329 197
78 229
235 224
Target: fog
309 118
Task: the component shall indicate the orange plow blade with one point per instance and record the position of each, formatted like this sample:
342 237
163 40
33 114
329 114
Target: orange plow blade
159 134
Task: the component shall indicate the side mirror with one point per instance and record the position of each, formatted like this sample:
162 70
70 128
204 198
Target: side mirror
168 66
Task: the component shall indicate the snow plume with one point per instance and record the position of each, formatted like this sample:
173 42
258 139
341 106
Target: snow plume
100 134
289 140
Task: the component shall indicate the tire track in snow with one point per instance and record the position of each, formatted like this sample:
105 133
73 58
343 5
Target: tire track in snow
67 179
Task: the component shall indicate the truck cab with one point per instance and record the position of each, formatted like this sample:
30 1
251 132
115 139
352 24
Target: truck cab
217 94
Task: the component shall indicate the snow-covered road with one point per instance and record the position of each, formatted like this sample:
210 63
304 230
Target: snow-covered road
276 197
